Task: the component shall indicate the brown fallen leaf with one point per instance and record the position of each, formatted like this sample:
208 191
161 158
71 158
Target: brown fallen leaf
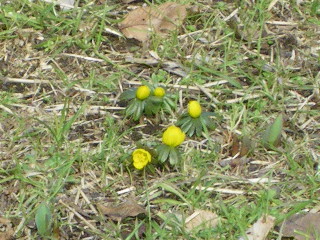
143 21
260 228
235 147
201 217
7 232
129 208
236 162
302 226
242 146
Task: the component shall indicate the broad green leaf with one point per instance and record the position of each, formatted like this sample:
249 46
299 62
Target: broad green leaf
129 94
43 219
173 156
155 100
182 121
199 127
191 129
140 107
169 102
132 107
208 122
271 136
187 125
163 152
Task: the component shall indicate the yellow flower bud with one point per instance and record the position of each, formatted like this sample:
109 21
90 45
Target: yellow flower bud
173 136
140 158
143 92
159 92
194 109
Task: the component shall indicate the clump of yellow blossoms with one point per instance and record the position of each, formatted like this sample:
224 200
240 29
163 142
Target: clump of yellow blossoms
140 158
195 121
146 100
171 138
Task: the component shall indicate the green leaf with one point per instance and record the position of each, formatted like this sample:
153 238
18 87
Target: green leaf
151 107
43 219
199 127
173 156
187 125
155 100
208 122
208 114
271 137
169 102
191 129
148 109
315 7
139 110
182 121
132 108
129 94
163 152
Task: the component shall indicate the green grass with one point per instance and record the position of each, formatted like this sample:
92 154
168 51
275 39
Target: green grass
66 139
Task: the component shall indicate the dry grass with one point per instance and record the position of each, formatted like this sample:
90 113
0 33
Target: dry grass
63 138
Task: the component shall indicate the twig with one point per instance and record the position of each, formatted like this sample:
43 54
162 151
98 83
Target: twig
274 2
82 57
28 81
282 23
88 201
252 96
208 94
129 189
93 228
231 15
5 109
222 190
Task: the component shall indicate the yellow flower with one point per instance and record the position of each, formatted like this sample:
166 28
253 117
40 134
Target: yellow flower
194 109
159 92
173 136
143 92
140 158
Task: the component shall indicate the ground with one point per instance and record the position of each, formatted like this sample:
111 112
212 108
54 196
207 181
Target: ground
64 139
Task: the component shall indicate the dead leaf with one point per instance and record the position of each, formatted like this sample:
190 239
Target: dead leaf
6 229
235 148
201 217
241 147
260 228
117 213
143 21
302 226
236 162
